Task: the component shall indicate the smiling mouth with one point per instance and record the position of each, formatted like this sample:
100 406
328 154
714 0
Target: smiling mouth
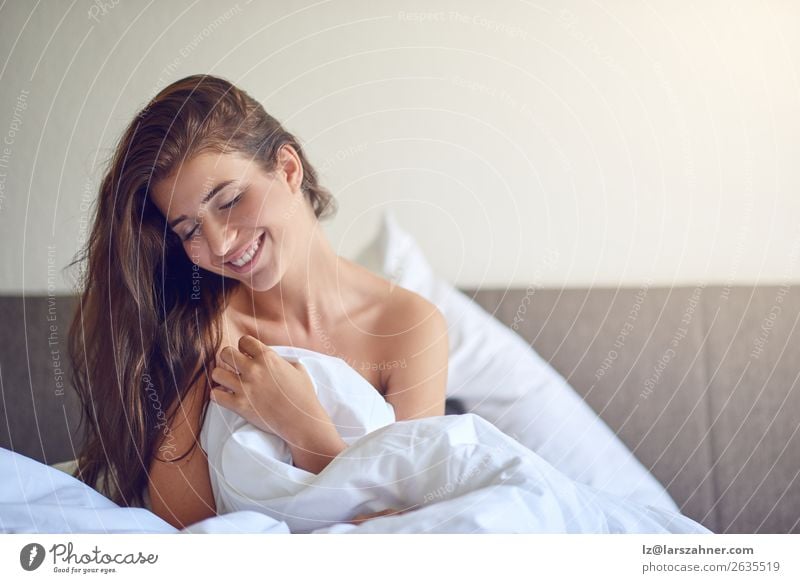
253 258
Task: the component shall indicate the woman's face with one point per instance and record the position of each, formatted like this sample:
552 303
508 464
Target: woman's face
233 217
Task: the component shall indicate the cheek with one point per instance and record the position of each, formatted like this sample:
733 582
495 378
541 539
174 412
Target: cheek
255 210
277 208
293 207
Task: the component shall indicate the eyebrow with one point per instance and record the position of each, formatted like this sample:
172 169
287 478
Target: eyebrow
209 195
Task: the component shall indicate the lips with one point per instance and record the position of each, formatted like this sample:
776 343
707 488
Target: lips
241 252
249 265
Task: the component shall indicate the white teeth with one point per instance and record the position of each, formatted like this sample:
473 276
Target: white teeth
249 254
243 261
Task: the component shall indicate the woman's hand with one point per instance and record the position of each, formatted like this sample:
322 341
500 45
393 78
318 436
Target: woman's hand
364 517
271 393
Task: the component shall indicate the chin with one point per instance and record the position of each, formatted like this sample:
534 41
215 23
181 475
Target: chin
258 288
260 284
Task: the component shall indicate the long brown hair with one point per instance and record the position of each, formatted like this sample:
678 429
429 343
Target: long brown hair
142 335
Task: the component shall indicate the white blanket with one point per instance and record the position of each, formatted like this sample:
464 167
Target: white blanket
456 473
37 498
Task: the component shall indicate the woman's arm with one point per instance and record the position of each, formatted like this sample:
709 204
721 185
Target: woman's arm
315 443
417 380
180 491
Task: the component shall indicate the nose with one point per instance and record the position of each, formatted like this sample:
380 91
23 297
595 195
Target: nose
221 239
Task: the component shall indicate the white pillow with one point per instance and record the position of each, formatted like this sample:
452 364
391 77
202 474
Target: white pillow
42 499
498 376
36 498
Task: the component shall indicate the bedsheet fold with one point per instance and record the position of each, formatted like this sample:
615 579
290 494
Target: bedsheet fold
455 473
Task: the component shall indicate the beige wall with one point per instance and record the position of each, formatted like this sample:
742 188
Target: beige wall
523 143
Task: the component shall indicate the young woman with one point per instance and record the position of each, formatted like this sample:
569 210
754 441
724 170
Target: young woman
206 249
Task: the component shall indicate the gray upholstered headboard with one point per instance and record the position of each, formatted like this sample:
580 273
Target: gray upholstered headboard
715 417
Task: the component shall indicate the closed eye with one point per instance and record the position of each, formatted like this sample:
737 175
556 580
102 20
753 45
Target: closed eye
232 203
224 207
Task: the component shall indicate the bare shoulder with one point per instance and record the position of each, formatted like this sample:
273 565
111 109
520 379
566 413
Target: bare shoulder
410 316
414 353
395 304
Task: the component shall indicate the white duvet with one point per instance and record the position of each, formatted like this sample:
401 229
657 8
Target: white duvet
454 474
37 498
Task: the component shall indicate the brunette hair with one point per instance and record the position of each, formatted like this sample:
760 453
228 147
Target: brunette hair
142 336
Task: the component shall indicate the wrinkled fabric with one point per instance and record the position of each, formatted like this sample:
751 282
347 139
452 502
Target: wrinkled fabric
452 474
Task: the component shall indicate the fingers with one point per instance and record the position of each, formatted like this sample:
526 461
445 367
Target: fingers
252 346
234 359
226 378
364 517
224 398
359 519
299 366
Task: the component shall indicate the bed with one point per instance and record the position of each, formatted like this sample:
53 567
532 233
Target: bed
714 424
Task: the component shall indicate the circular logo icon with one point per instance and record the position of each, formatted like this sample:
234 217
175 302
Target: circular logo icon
31 556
